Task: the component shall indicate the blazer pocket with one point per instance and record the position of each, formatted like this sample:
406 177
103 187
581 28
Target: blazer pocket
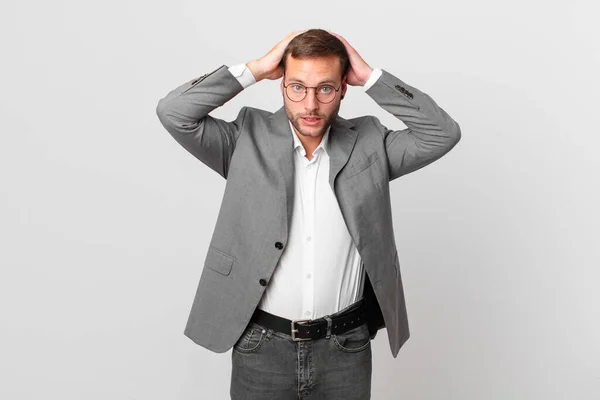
361 164
219 261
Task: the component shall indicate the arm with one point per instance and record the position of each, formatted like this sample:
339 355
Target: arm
184 114
431 132
184 111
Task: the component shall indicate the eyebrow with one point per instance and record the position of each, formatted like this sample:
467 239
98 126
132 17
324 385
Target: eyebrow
320 83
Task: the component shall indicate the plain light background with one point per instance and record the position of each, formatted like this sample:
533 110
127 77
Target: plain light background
105 220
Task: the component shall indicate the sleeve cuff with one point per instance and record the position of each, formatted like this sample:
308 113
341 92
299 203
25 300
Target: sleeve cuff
373 78
243 75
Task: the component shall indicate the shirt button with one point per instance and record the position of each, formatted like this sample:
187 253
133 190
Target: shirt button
308 275
308 238
307 313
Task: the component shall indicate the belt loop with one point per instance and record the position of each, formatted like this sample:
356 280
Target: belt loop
328 319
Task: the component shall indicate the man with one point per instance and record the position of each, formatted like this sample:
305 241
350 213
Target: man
302 269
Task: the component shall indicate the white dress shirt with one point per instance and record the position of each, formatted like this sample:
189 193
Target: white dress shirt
320 271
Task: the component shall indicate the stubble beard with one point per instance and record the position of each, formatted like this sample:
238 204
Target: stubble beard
295 120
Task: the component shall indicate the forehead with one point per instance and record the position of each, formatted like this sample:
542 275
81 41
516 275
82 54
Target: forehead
313 70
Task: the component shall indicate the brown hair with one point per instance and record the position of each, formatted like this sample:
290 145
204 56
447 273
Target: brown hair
316 43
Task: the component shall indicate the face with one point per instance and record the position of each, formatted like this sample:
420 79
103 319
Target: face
313 72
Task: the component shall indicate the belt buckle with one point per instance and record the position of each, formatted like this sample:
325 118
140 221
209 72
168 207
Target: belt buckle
294 338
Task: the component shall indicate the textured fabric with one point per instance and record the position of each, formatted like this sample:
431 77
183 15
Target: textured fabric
320 271
254 153
268 365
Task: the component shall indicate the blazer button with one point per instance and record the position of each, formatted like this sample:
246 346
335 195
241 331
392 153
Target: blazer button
278 245
262 282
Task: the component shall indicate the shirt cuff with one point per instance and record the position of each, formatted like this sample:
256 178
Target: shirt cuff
243 75
373 78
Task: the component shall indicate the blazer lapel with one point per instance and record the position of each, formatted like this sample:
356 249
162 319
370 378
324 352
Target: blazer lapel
341 142
282 146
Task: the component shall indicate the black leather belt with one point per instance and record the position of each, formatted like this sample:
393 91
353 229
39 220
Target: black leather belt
306 329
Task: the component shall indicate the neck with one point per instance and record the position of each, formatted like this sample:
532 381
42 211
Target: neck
309 142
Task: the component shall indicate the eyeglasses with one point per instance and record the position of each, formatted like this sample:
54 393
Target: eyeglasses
297 92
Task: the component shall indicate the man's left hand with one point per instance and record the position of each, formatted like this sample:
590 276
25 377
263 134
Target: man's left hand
359 71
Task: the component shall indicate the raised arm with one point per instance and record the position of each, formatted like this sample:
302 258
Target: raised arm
184 111
184 114
431 132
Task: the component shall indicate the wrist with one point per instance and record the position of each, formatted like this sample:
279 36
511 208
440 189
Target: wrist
254 67
367 76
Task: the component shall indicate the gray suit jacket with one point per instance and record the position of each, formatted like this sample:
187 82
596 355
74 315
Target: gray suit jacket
254 154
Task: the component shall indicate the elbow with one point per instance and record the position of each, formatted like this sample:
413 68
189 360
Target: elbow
160 110
456 133
164 116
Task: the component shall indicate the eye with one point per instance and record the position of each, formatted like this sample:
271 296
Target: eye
297 88
326 89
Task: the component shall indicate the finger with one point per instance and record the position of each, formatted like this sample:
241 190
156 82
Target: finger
292 35
341 38
351 51
283 44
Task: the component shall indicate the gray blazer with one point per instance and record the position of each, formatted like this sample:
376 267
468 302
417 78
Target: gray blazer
254 154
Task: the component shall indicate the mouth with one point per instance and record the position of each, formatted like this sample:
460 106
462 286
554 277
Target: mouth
311 120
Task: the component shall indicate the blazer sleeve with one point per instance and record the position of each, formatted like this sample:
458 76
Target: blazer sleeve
184 114
431 132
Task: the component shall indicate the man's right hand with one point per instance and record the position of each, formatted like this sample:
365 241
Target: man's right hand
268 66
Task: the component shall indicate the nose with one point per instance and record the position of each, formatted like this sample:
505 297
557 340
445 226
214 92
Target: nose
310 101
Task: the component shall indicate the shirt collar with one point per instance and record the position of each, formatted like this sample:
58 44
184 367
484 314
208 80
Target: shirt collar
324 141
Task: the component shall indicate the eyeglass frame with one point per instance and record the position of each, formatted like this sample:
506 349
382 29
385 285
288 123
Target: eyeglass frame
310 87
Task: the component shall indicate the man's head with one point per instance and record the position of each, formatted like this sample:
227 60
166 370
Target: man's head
319 60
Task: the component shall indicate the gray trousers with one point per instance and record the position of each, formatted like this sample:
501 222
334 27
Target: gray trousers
268 365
